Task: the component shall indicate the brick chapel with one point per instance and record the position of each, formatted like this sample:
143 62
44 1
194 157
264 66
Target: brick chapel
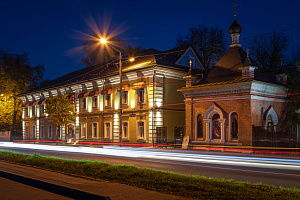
235 96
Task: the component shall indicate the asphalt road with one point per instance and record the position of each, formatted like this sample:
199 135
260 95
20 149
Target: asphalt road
278 171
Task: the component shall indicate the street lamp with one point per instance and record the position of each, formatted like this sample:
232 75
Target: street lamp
103 41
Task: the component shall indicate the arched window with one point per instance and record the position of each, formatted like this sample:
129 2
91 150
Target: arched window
234 126
216 129
270 125
199 126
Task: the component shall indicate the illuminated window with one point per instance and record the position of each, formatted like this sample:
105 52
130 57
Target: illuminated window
94 129
95 101
50 133
107 130
83 130
125 97
42 129
141 130
107 100
83 103
125 129
270 125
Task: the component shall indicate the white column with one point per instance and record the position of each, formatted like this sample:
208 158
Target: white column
208 129
222 121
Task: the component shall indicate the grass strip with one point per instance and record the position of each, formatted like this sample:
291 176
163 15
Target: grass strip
165 182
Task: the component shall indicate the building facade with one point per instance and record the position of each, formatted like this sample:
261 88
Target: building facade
149 88
235 96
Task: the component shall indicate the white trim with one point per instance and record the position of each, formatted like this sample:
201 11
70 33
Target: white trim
81 134
137 130
273 115
190 48
127 129
208 119
110 131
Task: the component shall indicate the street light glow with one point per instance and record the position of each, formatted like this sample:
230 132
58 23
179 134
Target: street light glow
131 59
103 41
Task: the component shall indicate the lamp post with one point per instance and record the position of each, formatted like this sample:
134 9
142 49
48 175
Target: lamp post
103 41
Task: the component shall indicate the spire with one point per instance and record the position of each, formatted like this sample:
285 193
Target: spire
235 29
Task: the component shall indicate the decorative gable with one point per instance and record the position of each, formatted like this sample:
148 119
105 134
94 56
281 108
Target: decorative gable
187 57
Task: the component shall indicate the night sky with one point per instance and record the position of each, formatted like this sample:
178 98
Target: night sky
50 31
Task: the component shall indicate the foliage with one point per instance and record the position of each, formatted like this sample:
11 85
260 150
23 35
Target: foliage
17 76
97 53
60 109
270 52
209 43
165 182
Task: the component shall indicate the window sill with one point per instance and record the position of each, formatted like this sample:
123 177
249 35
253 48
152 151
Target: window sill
141 140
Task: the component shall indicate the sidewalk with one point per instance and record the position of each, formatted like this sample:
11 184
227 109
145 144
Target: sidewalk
115 191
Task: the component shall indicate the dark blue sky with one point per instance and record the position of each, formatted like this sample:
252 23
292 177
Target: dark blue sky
48 29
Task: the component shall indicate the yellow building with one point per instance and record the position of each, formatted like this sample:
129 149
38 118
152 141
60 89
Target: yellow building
150 100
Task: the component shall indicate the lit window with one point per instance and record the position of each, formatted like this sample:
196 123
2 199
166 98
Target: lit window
95 101
107 100
107 130
125 129
83 130
50 135
94 129
141 130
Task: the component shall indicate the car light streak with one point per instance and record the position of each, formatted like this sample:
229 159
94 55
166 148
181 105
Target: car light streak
274 163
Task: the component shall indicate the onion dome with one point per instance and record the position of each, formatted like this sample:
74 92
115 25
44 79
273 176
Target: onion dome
235 27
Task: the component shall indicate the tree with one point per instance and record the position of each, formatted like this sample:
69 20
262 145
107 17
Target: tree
96 53
17 76
60 109
209 43
270 52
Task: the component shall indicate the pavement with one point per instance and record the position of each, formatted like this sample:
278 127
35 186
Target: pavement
114 191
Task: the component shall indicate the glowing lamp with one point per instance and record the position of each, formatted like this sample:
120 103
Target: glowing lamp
103 40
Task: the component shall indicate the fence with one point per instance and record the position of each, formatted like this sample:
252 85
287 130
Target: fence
288 137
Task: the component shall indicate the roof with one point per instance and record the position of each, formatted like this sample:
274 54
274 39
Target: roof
167 59
228 68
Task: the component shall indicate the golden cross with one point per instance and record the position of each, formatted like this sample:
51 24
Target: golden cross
247 53
234 6
191 64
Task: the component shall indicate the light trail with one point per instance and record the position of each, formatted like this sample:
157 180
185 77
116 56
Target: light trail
243 161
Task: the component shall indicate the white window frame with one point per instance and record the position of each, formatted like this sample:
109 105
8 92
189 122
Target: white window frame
50 131
123 135
33 131
42 129
93 130
82 128
138 130
94 101
105 130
